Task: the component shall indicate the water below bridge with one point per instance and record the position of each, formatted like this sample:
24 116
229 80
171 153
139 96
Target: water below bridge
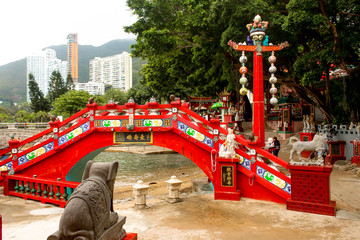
148 167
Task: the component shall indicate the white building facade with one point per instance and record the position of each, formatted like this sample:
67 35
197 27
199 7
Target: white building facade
94 88
113 70
41 65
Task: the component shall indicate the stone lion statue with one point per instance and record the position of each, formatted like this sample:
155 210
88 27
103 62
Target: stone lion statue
318 145
89 213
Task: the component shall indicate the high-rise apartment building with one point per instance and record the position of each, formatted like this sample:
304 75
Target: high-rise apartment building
72 56
41 65
113 70
94 88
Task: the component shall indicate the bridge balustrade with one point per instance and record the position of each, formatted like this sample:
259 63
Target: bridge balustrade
249 174
43 190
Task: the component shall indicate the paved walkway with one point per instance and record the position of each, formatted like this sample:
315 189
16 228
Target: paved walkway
199 216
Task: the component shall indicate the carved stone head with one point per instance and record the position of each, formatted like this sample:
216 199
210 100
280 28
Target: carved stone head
105 171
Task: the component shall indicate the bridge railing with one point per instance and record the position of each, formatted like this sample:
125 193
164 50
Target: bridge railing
269 175
43 190
239 138
152 110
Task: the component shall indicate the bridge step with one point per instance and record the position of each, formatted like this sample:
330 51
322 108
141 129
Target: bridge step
232 196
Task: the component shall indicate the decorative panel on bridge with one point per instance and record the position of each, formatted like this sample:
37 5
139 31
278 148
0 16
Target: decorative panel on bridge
138 123
36 153
74 133
6 167
227 176
133 137
278 182
195 134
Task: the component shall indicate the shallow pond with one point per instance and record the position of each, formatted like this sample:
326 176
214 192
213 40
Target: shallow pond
148 167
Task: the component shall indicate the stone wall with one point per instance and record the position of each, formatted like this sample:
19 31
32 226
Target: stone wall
21 133
343 134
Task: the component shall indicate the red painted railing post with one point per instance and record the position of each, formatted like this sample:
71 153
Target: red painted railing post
310 190
55 126
14 145
215 123
92 110
176 103
0 227
225 184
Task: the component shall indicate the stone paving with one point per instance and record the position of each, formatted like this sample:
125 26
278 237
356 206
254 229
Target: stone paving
199 216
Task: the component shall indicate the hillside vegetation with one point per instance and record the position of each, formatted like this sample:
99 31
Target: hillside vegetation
13 75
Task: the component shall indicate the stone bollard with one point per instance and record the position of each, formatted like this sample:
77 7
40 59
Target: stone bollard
140 190
174 185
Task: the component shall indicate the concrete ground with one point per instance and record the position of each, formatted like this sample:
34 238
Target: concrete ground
199 216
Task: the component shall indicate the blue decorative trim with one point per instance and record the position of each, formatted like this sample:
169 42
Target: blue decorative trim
195 134
74 133
275 180
36 153
245 163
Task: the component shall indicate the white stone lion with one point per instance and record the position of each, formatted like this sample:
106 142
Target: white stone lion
318 144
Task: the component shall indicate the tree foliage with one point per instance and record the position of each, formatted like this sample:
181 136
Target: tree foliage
141 93
41 116
38 101
4 115
327 37
57 86
69 82
70 103
185 45
23 116
118 95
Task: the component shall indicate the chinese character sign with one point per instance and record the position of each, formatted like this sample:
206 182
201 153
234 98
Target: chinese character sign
133 137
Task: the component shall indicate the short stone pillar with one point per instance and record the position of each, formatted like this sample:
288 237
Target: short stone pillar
174 185
140 190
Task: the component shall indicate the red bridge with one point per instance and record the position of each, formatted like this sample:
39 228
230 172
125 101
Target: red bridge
51 169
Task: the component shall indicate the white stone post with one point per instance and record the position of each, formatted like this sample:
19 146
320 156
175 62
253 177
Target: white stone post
140 190
174 185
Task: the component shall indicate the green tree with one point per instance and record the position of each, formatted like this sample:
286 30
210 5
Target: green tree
30 117
57 86
118 95
107 87
25 106
100 100
41 116
4 115
38 101
141 93
70 103
185 45
327 35
69 82
22 116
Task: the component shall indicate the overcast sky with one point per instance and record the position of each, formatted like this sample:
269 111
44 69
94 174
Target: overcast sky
27 26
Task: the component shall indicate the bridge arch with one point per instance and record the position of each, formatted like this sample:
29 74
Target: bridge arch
173 126
74 157
97 127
